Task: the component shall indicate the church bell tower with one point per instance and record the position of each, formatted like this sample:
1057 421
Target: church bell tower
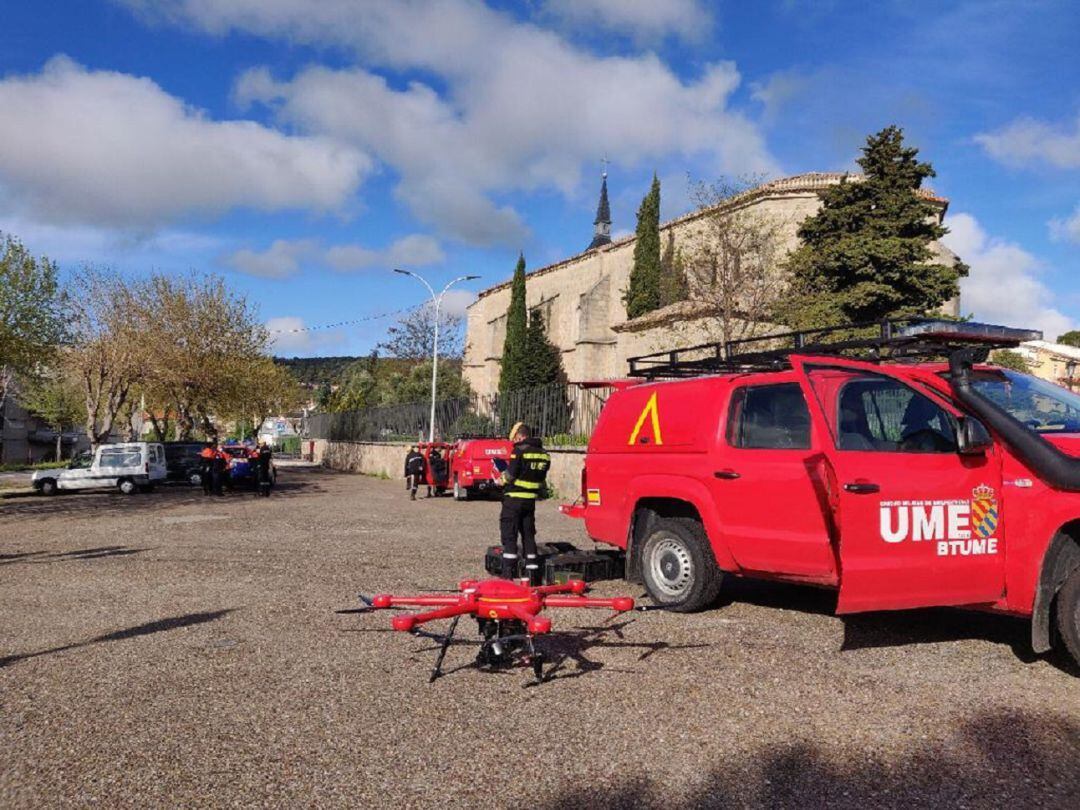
602 223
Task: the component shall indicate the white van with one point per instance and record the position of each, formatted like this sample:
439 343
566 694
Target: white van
129 467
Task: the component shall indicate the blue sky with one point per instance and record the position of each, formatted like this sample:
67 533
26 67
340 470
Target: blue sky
302 148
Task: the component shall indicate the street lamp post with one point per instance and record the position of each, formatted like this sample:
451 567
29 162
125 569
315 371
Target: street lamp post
435 343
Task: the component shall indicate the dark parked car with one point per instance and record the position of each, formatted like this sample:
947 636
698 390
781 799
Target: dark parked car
182 462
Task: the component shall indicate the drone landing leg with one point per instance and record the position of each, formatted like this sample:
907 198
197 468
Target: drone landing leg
536 658
437 671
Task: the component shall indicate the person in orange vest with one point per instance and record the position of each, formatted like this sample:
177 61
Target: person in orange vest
206 467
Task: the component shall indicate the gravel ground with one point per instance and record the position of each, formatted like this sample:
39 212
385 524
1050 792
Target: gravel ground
169 649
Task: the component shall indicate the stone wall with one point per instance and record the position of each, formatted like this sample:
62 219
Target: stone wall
388 458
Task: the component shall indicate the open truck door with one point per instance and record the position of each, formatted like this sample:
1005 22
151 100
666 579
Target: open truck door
916 501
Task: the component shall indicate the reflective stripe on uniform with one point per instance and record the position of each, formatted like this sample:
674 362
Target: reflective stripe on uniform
509 556
533 565
536 456
529 495
527 484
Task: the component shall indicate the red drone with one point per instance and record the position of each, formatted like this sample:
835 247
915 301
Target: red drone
507 612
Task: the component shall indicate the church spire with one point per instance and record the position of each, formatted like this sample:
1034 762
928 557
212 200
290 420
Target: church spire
602 223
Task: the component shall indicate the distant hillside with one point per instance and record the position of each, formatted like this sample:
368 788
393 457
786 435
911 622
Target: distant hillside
318 371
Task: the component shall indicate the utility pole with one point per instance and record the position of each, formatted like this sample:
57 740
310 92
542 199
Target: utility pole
437 299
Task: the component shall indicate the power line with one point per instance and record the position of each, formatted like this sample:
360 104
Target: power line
377 316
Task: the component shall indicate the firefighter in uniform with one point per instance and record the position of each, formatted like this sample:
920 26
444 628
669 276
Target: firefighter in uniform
524 482
414 471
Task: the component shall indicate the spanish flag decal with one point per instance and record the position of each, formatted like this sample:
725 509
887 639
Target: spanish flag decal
651 412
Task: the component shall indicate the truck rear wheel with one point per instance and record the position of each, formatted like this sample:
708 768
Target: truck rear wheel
1068 615
678 567
127 486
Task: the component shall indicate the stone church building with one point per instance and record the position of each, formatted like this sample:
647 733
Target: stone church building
581 297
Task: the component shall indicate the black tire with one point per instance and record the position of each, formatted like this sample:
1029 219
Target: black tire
195 479
126 486
48 487
1068 615
678 567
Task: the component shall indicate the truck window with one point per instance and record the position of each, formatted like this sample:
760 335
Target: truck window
884 415
773 417
1042 406
118 457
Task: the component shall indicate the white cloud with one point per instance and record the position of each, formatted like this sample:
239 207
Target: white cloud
1027 141
641 19
519 108
456 302
289 334
1003 286
1068 229
75 244
415 250
109 149
285 257
281 260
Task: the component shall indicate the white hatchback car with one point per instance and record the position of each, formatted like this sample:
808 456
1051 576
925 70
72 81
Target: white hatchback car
129 467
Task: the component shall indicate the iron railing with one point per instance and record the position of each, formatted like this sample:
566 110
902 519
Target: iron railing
560 413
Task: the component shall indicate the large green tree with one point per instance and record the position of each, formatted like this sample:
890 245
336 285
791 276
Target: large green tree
866 254
55 399
543 360
512 370
1070 338
643 293
31 322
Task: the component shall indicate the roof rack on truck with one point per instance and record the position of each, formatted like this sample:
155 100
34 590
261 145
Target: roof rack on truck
896 339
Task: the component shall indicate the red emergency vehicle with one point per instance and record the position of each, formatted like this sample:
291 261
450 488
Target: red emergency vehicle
868 465
472 466
436 464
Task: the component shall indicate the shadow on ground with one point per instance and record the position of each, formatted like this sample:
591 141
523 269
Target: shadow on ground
38 557
158 626
898 628
996 760
109 503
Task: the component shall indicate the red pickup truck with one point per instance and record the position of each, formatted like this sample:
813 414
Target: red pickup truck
867 465
472 466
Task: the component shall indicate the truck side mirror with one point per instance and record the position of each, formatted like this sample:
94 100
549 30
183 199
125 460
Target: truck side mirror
972 438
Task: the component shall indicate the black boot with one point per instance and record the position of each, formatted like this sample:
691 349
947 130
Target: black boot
509 566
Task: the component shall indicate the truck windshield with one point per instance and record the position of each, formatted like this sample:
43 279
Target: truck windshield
1042 406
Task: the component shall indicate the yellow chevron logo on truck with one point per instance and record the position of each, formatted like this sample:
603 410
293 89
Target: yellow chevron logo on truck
651 411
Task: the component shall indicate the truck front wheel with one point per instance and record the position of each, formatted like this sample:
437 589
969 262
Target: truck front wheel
1068 615
678 567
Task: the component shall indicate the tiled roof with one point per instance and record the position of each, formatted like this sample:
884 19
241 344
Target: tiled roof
796 184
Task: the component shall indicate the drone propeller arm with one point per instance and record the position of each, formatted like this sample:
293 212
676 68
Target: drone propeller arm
385 600
618 604
536 625
408 621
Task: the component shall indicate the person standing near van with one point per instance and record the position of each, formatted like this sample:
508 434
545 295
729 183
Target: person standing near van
220 469
414 471
262 462
206 468
524 483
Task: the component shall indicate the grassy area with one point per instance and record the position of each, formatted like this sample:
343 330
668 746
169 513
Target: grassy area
23 467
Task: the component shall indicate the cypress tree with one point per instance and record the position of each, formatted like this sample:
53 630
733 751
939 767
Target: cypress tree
512 370
673 284
866 254
543 360
643 292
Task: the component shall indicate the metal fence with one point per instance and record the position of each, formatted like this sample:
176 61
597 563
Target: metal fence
561 414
